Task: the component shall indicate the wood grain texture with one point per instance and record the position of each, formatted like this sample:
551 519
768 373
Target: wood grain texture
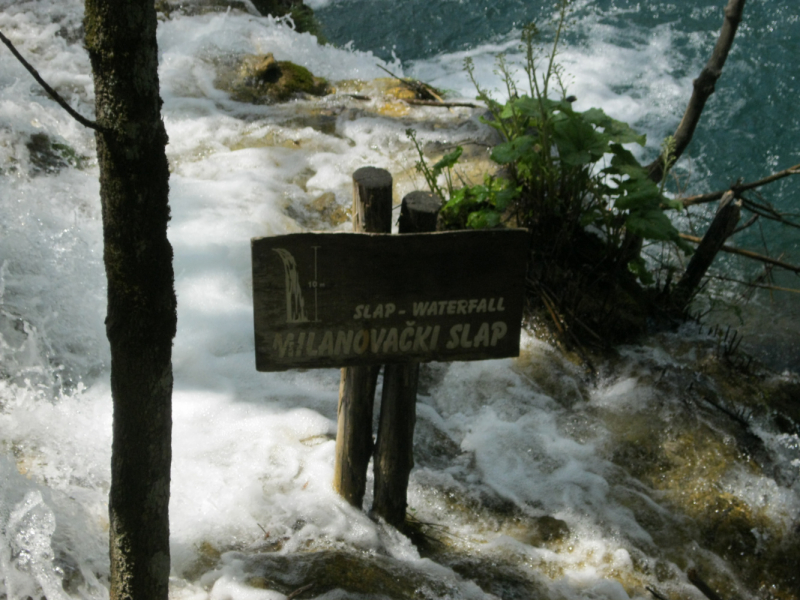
334 299
394 450
372 213
720 230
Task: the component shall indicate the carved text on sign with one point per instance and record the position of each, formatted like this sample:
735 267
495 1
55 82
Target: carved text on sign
349 299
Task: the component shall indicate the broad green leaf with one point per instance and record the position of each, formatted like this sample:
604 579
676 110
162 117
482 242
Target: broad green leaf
651 224
638 267
448 160
483 219
622 157
503 198
617 131
577 141
512 151
639 199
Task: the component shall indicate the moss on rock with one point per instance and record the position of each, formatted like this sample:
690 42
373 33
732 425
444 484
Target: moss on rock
324 571
260 79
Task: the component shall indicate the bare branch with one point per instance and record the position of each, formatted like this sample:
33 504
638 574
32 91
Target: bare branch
50 91
763 286
746 253
703 88
720 229
442 103
768 213
422 90
739 188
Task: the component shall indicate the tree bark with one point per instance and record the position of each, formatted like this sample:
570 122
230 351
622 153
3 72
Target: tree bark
141 315
720 230
704 86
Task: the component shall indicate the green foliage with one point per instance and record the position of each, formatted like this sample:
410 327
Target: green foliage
473 207
566 173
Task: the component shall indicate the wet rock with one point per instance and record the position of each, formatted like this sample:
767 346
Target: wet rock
504 581
337 570
260 79
48 156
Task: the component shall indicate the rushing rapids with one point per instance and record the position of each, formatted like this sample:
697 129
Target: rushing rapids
677 459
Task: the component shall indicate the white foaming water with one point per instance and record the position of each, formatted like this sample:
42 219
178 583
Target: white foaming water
253 452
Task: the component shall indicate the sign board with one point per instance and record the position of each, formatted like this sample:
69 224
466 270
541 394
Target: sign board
345 299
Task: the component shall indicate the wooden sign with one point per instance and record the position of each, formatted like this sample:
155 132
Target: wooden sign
344 299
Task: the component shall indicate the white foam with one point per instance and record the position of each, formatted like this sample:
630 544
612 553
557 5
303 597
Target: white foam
253 452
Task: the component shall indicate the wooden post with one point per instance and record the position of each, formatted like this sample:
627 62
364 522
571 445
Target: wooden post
418 212
394 454
720 229
372 213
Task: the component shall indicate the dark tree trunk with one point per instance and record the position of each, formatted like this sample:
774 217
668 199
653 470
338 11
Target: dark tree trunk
141 319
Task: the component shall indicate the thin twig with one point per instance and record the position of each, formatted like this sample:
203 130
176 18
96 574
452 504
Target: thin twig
746 253
299 591
763 286
739 187
423 89
703 87
50 91
655 592
749 223
442 104
768 213
261 527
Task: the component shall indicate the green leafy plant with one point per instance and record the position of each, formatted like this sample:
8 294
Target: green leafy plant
565 170
567 176
470 206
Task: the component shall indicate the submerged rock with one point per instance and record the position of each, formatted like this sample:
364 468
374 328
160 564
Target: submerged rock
313 574
260 79
48 156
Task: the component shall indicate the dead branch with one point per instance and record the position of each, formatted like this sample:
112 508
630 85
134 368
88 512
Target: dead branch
746 253
720 230
422 90
656 593
299 591
768 212
749 223
703 88
738 188
441 103
755 284
50 91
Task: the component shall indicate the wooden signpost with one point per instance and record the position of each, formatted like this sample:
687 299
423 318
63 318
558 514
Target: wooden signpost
342 299
360 300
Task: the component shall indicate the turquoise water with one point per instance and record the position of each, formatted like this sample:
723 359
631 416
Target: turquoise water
751 126
637 60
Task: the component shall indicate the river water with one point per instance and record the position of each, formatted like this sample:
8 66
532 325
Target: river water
536 477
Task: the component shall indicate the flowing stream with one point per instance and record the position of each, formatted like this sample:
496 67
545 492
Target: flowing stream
533 477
